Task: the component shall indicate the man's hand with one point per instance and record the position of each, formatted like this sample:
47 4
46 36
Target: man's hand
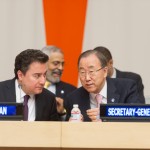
93 114
60 105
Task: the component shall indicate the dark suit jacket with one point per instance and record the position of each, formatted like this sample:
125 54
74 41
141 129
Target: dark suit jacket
118 91
137 78
45 101
63 89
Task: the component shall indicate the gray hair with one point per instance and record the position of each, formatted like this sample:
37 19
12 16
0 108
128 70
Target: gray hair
51 49
98 54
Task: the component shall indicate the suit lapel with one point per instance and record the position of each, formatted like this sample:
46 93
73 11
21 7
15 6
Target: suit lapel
38 107
11 91
84 103
60 90
112 95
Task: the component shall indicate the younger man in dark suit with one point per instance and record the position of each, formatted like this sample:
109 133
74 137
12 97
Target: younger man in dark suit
30 76
55 69
115 73
92 67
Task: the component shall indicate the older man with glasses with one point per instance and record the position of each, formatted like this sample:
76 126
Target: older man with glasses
97 88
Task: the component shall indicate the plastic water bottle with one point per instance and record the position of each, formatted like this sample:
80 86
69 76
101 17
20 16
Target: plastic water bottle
75 114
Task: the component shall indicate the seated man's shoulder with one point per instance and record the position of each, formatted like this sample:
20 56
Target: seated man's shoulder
67 85
121 81
127 74
47 93
7 82
78 92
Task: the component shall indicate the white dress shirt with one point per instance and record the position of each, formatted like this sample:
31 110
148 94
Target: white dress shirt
103 92
31 102
52 88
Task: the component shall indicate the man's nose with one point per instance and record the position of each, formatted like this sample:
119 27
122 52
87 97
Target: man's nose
43 79
87 76
61 66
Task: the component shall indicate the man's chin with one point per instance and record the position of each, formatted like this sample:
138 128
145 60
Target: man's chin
55 80
91 89
38 91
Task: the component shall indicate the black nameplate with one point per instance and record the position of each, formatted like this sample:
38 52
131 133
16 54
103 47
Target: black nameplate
11 111
125 112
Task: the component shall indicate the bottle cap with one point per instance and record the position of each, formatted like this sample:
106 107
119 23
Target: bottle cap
75 105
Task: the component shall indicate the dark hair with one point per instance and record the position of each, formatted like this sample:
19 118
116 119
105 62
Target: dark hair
104 51
100 56
27 57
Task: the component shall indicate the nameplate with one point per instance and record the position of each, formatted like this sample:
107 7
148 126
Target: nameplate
11 111
7 110
125 112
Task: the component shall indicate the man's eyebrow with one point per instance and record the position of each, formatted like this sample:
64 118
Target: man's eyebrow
37 73
58 61
91 67
88 67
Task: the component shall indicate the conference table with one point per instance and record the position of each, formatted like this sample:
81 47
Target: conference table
20 135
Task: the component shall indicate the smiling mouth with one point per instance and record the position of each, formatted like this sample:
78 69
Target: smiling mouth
56 75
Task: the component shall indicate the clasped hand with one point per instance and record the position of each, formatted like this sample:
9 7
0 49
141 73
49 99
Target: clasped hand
93 114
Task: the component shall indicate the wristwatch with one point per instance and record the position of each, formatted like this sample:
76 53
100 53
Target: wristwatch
63 113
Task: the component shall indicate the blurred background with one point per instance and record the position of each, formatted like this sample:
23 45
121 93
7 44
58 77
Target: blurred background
123 26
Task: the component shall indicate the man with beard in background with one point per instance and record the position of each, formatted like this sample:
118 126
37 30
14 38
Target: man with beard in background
53 77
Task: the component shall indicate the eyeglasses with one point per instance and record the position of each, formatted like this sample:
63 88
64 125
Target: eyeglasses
91 73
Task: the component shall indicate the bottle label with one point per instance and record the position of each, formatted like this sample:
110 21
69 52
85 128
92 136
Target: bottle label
75 116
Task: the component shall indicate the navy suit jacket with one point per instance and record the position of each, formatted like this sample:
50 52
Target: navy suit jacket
45 103
136 77
118 91
63 89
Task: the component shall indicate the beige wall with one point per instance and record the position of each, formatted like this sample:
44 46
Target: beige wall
123 26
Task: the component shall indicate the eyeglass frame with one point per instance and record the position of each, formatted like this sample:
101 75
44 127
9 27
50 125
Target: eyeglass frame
88 72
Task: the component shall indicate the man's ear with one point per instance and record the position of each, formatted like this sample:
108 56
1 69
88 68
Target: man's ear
111 63
105 71
20 75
